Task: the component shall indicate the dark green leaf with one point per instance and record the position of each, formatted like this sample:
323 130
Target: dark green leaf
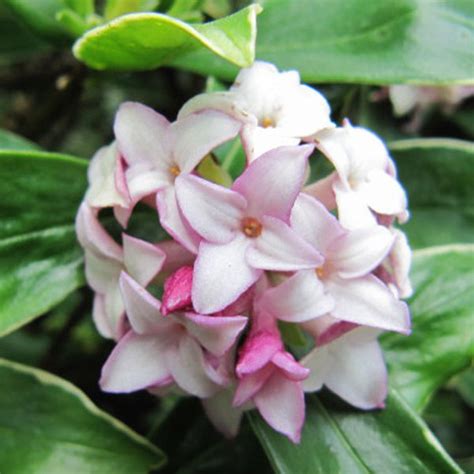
50 426
392 41
438 175
11 141
40 260
393 440
148 40
442 340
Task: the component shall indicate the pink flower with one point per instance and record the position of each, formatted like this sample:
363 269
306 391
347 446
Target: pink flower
365 181
159 350
275 108
342 286
271 378
157 151
245 229
347 360
105 260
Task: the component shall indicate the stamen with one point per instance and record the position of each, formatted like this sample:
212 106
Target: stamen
251 227
267 122
175 170
319 272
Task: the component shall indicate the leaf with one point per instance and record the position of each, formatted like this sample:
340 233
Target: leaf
49 426
40 16
142 41
114 8
11 141
393 440
438 175
40 260
351 41
442 341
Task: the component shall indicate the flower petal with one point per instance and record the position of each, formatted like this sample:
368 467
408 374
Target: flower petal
136 362
194 136
281 403
173 221
318 362
272 183
367 301
290 368
250 384
279 248
101 273
213 211
300 298
217 334
141 259
143 310
358 252
221 275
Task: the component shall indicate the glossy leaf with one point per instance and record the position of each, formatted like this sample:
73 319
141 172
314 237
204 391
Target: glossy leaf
442 339
49 425
40 260
358 41
391 440
438 175
148 40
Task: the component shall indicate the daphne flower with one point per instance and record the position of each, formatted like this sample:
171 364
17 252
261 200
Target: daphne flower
342 286
245 229
157 151
275 107
161 349
365 182
271 378
105 260
349 361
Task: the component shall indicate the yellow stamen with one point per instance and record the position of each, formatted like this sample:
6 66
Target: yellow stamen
251 227
267 122
319 272
175 170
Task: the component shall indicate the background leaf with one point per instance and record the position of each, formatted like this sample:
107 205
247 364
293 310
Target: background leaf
40 260
394 41
393 440
11 141
148 40
438 175
442 340
48 425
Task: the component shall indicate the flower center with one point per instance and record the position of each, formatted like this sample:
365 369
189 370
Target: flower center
251 227
175 170
319 272
267 122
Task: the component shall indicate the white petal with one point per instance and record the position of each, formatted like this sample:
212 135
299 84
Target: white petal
319 363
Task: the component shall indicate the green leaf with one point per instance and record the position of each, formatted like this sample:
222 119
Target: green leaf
438 175
442 341
386 42
40 260
392 440
148 40
40 16
114 8
50 426
11 141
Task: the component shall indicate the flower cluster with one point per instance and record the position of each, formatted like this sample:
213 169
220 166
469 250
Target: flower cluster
246 265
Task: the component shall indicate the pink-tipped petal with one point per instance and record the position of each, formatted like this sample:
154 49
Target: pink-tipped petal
279 248
221 275
141 135
136 362
289 367
173 221
281 403
368 302
272 183
249 385
188 368
176 256
213 211
358 252
143 310
322 191
177 291
141 259
312 221
198 134
217 334
300 298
